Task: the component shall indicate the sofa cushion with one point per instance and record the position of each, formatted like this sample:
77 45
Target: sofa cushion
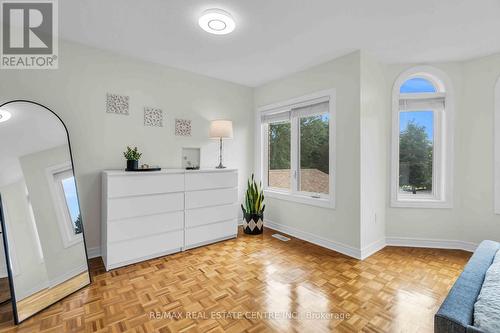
487 307
457 311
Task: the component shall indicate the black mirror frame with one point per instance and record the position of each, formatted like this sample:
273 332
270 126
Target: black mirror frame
4 234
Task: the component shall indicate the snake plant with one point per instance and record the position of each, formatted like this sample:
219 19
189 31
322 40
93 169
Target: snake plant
254 198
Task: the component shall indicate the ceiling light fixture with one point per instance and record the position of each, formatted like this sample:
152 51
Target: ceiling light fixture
217 21
4 115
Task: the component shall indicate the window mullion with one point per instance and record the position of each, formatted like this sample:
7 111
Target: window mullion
265 154
295 152
438 155
435 156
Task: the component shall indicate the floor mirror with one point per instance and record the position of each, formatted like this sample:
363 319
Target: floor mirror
44 255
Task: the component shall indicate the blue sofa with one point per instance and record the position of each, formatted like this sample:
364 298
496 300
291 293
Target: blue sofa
456 314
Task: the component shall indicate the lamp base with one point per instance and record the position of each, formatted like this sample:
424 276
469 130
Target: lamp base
220 166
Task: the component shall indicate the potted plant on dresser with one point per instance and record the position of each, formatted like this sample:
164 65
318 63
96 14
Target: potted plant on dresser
253 210
132 156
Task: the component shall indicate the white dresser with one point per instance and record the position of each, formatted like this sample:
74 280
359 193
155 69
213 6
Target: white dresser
150 214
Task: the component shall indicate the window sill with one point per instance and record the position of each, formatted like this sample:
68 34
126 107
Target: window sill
303 199
73 240
420 203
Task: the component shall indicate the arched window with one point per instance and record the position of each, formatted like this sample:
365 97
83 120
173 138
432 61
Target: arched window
417 85
422 140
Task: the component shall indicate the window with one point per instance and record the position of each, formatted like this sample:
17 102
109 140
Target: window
63 190
67 188
279 155
422 140
314 153
297 149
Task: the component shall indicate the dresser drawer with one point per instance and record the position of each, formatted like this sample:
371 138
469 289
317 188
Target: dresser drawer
208 233
130 251
137 227
141 184
200 216
211 180
127 207
198 199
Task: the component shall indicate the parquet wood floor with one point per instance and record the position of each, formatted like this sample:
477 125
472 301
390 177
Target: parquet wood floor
40 300
225 287
4 289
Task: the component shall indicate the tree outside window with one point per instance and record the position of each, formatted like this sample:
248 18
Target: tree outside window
415 159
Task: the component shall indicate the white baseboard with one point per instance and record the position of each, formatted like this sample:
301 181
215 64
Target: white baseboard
22 294
431 243
67 275
311 238
372 248
94 252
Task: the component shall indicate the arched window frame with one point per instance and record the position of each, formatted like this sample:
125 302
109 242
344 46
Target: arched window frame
442 194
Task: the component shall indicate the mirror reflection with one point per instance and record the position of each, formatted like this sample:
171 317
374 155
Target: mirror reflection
43 229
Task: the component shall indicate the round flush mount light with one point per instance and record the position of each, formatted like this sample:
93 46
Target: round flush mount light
4 115
217 21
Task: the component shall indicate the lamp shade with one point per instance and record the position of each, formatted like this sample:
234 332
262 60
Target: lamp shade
221 129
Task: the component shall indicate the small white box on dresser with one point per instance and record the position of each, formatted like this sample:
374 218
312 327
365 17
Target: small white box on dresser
147 215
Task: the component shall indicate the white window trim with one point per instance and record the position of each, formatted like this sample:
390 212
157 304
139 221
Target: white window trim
496 132
14 264
67 232
443 150
261 149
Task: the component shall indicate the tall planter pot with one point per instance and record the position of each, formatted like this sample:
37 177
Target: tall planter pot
253 224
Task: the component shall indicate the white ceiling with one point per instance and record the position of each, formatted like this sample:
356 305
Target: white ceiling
31 129
274 38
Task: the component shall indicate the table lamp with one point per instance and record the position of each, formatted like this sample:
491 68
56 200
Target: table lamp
221 129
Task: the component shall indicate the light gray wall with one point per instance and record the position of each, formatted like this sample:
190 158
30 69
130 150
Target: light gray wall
77 93
30 274
474 152
374 122
340 225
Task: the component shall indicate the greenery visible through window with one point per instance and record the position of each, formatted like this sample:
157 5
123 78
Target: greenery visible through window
279 155
297 154
416 152
314 154
310 134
